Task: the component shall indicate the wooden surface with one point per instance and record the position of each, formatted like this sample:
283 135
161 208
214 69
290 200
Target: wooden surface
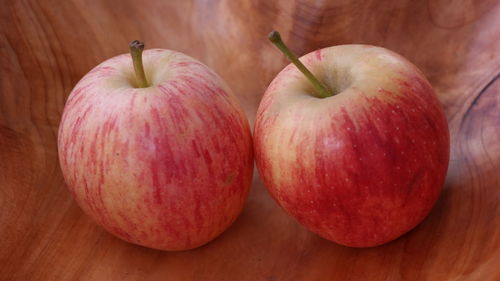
46 46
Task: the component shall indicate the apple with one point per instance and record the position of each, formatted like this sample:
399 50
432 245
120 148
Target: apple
358 155
161 156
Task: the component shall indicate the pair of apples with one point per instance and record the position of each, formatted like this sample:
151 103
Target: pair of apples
162 156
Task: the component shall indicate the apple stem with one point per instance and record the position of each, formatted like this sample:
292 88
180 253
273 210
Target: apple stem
321 89
136 48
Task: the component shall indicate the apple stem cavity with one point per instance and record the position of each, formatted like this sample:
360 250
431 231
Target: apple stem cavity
136 48
321 89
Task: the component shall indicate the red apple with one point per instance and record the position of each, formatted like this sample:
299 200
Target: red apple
359 166
165 163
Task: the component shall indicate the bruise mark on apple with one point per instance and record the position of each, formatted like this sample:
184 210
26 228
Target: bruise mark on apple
147 130
230 179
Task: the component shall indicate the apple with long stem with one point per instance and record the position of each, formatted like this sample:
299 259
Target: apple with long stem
357 155
160 155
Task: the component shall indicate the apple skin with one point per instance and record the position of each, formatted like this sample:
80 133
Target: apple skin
167 167
364 166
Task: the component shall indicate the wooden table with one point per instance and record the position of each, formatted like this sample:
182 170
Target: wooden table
46 46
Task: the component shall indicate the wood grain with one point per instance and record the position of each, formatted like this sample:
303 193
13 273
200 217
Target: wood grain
46 46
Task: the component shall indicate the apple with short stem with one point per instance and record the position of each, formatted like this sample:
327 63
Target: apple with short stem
160 156
358 155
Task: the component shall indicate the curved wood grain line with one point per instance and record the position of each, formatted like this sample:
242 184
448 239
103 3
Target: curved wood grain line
65 79
477 97
434 21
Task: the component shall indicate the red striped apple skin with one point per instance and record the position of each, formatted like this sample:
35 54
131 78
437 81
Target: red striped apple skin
364 166
167 167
